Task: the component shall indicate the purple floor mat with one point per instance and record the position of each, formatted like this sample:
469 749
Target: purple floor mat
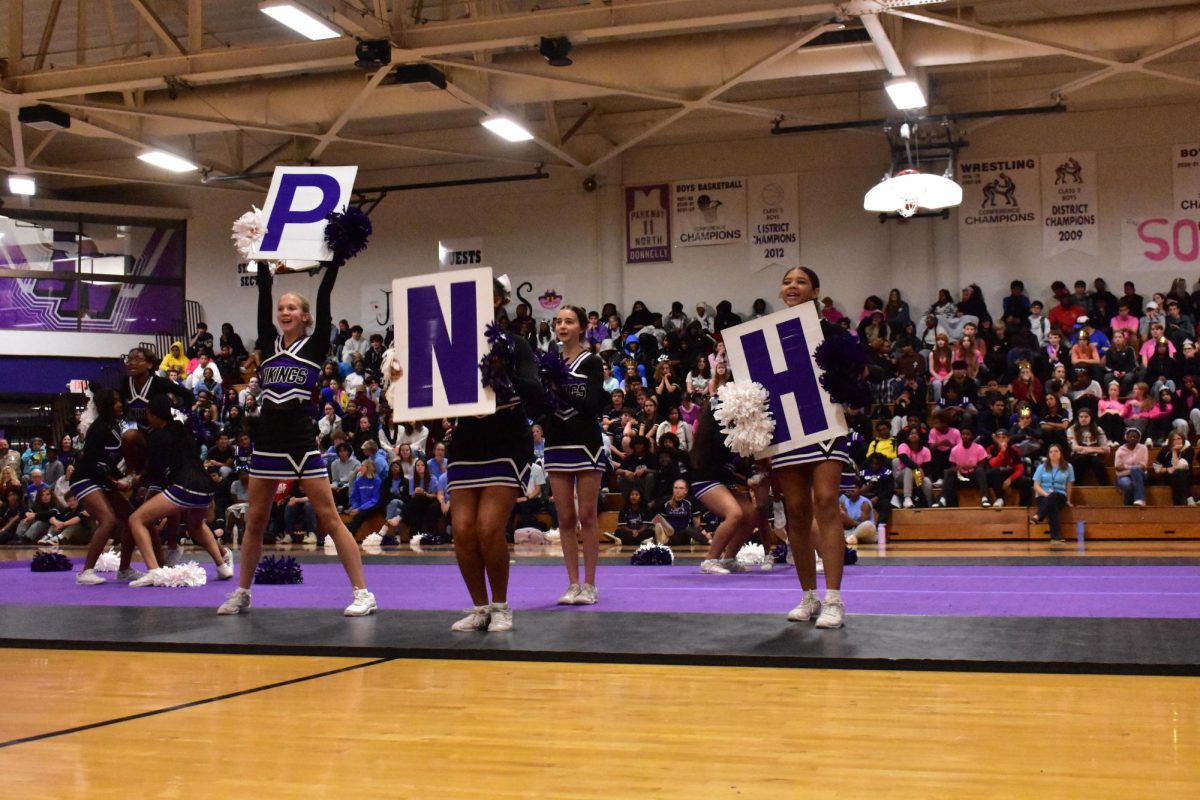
1171 592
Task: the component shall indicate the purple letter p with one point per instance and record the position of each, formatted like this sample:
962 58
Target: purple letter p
282 212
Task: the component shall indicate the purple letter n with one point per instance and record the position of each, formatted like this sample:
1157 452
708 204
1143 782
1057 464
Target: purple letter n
798 379
282 212
457 350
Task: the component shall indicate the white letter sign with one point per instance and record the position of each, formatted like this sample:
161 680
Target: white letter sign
299 200
440 339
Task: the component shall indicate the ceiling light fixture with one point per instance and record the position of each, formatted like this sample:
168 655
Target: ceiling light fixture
299 19
507 128
905 93
167 161
555 50
22 184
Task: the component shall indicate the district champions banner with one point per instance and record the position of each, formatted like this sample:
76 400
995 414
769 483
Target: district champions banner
774 221
1069 212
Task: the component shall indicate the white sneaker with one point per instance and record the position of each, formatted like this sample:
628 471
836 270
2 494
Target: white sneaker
571 596
908 503
984 502
1139 502
88 577
768 563
809 607
941 502
587 595
833 614
228 557
937 484
236 601
49 538
173 557
713 566
1191 501
733 565
224 572
477 619
501 618
147 579
364 604
310 538
999 503
129 574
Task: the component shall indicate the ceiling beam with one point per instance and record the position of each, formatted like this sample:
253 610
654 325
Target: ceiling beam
490 110
883 45
156 24
195 26
330 136
18 153
37 151
39 60
16 35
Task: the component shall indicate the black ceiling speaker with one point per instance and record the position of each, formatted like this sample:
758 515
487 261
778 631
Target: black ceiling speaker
555 50
373 53
44 118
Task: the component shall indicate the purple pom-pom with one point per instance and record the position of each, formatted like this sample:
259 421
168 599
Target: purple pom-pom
346 233
278 570
434 539
50 561
843 361
389 540
553 372
498 364
851 556
779 554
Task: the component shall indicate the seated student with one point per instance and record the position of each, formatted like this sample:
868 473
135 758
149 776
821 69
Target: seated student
1025 434
883 443
633 523
536 500
674 524
1173 466
342 472
994 417
37 518
1052 483
11 514
942 439
638 468
858 516
879 485
422 505
1006 469
70 525
1130 461
364 495
914 458
968 464
299 517
1088 446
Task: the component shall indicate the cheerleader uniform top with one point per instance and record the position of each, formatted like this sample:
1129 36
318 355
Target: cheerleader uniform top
836 448
716 463
97 466
173 461
497 449
573 440
137 401
289 375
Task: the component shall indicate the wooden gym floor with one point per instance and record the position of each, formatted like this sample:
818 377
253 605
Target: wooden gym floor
119 725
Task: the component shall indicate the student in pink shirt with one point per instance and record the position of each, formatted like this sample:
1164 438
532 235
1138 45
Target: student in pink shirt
968 460
1124 321
1110 414
1130 461
912 461
942 438
1147 349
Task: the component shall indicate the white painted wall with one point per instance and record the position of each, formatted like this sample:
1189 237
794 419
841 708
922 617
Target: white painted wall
553 226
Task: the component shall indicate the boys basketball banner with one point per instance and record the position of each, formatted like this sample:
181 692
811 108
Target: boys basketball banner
1069 213
999 192
297 204
709 211
774 221
647 224
777 351
1185 168
440 339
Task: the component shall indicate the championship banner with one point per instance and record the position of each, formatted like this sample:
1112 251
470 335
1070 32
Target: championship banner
647 224
999 193
1185 168
1069 210
774 221
440 339
299 200
544 294
777 351
1160 243
711 211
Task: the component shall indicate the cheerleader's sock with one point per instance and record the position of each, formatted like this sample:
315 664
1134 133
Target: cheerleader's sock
833 595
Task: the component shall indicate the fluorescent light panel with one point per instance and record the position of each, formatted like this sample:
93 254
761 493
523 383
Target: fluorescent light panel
22 184
298 19
905 93
167 161
507 129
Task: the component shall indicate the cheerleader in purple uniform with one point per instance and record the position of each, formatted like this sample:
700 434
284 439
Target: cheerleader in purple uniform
575 459
714 485
810 478
285 439
173 462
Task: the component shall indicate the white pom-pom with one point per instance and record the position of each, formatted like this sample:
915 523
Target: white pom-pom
372 540
109 561
89 414
181 576
248 231
742 409
415 541
751 553
330 545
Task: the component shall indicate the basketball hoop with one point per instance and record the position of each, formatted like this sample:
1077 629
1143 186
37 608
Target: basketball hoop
908 206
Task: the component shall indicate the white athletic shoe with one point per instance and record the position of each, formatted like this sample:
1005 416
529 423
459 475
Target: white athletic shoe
587 595
984 502
713 566
768 563
236 601
1191 501
173 557
364 604
908 503
224 572
88 577
477 619
733 565
1139 502
310 538
49 538
571 596
809 607
833 614
146 580
129 574
501 618
999 503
